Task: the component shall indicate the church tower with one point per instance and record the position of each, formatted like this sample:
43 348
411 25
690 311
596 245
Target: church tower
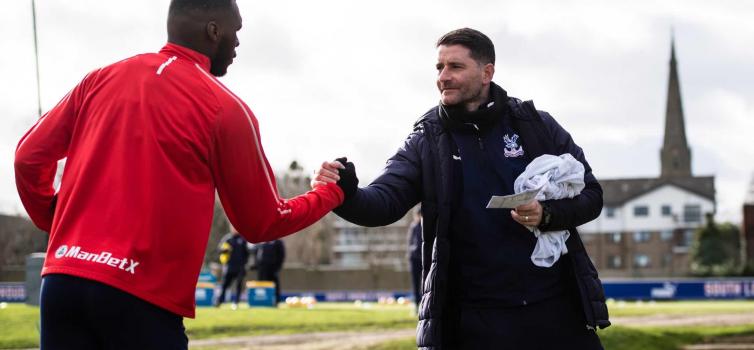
675 155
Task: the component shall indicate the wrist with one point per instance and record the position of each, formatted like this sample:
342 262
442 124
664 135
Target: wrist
339 192
348 190
546 215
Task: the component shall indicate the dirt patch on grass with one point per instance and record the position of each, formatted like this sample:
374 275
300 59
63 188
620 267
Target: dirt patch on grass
310 341
671 320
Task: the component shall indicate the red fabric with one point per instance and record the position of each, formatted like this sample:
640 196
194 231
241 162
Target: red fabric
147 141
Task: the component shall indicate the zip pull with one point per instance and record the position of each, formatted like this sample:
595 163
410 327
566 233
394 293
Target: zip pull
478 137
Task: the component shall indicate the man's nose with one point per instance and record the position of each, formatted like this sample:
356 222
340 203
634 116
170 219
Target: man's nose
443 75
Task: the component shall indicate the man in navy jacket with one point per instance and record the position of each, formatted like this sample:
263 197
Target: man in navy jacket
480 289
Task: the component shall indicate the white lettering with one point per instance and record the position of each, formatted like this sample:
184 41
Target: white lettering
723 289
105 258
73 252
132 267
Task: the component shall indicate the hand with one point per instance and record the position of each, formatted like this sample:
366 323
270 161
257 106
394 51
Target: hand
529 214
348 182
327 173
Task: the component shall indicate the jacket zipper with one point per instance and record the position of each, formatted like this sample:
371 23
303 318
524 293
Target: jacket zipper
478 137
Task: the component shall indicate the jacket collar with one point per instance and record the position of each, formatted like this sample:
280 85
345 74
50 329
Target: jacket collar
183 52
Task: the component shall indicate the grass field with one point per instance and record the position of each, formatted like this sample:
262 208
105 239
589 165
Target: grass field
19 323
621 309
214 323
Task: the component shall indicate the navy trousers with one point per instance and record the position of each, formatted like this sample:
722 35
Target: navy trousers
555 323
267 273
77 313
237 275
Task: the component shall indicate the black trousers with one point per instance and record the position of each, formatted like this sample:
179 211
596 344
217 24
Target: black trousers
237 275
77 313
271 274
555 323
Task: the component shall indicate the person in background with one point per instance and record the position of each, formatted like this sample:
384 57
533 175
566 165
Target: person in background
234 255
269 262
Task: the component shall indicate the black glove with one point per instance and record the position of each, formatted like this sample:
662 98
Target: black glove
348 182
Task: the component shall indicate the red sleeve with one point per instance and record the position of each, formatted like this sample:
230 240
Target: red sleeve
246 183
38 153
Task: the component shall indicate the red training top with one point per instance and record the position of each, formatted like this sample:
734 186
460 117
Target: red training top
148 140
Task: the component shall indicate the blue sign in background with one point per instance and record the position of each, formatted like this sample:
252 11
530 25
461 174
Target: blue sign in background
660 289
12 292
680 289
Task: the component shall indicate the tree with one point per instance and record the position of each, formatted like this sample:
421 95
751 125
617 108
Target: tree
310 247
716 250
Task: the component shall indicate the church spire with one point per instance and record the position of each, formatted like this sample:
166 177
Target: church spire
675 155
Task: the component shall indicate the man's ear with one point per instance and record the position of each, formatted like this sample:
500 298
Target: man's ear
487 72
213 31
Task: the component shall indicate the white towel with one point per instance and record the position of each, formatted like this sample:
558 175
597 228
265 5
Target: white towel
560 177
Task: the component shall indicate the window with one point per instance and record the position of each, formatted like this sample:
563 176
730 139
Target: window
642 236
641 210
667 260
616 237
692 213
666 210
688 237
666 235
614 262
641 260
610 212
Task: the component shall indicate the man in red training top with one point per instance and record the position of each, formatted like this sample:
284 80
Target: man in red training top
148 140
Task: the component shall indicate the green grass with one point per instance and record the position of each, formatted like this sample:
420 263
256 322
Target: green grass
625 338
217 323
621 309
19 323
19 326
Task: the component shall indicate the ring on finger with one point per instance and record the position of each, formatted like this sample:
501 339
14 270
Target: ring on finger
526 218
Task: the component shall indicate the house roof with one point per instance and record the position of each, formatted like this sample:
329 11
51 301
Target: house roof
616 192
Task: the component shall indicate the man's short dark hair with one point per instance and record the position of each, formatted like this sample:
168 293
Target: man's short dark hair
185 6
481 47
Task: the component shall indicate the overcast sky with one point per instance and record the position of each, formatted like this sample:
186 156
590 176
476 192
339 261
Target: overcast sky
331 78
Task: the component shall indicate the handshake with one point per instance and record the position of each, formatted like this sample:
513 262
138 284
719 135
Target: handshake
340 171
